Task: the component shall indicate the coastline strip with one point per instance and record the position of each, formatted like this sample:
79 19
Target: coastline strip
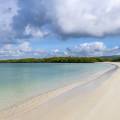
35 102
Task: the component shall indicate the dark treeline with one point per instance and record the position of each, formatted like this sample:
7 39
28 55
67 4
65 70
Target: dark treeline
62 60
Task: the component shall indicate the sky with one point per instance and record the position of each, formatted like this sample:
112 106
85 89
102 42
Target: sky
47 28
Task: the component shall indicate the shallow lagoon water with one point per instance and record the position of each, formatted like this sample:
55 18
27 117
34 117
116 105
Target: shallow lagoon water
20 81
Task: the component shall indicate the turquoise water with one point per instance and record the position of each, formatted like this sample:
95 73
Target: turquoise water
20 81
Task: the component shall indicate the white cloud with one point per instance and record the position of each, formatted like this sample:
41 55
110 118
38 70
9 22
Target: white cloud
21 50
64 17
94 46
11 50
92 49
71 17
8 9
88 49
83 50
25 47
88 17
35 32
23 19
56 50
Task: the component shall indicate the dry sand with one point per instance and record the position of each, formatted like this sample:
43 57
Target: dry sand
96 99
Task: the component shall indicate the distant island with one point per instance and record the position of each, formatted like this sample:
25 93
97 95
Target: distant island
64 60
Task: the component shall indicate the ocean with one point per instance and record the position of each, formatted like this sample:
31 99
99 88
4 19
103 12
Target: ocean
20 81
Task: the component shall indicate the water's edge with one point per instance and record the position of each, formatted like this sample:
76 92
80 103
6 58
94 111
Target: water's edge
56 92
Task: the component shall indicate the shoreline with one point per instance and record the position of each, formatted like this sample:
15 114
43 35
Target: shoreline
77 83
19 111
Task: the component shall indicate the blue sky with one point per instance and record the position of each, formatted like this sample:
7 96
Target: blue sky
46 28
53 42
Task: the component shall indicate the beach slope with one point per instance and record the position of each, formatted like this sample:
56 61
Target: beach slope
95 100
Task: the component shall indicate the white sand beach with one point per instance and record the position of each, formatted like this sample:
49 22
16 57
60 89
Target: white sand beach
97 99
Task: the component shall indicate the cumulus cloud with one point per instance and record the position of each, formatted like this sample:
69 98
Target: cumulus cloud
10 50
88 17
21 20
8 9
25 47
35 32
21 50
70 17
92 49
88 49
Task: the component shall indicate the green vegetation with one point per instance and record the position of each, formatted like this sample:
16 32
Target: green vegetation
60 60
